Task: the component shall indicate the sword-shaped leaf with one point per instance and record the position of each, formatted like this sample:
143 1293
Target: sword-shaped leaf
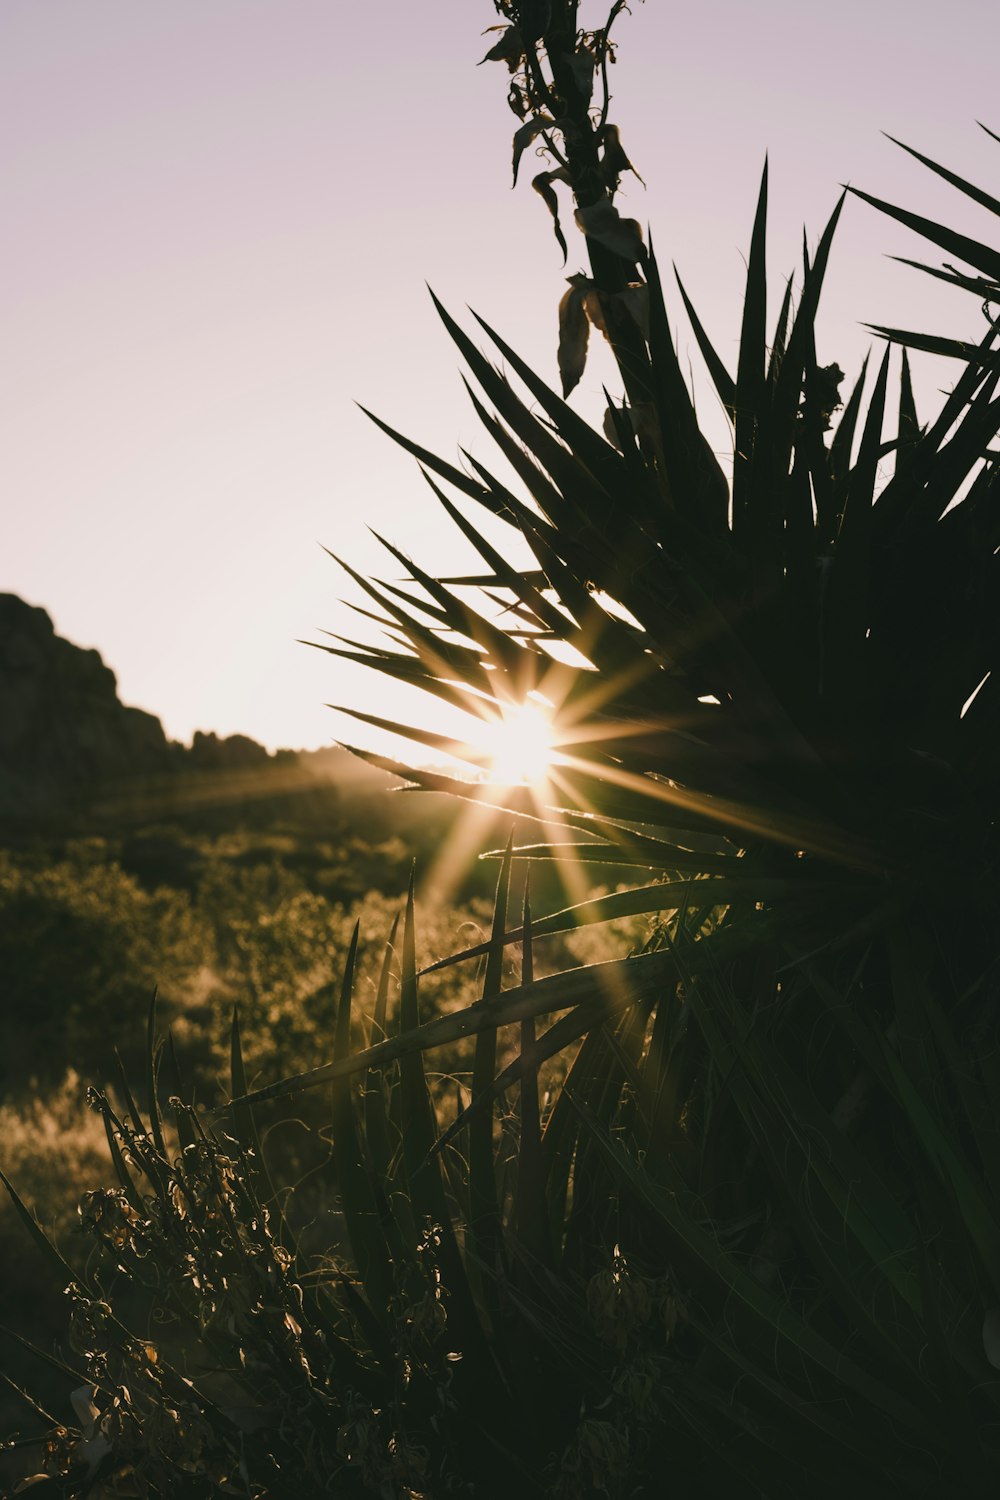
985 200
663 897
698 488
152 1077
973 252
931 343
461 481
724 383
529 1215
601 459
750 383
980 286
610 979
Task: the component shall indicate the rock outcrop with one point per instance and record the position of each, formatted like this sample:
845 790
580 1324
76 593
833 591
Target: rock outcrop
63 730
71 750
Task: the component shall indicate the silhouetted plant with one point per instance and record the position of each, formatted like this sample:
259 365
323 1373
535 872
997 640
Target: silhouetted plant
754 1239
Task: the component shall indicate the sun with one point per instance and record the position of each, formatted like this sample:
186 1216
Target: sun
519 744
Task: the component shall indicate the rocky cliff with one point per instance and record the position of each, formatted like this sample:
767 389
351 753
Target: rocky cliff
70 748
63 730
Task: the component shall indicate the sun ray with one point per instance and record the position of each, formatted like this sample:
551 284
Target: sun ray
825 840
464 839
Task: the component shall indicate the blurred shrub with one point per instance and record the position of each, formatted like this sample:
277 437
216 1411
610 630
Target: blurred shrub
276 949
82 946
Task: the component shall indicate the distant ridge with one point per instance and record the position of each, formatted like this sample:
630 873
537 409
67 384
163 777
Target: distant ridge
69 747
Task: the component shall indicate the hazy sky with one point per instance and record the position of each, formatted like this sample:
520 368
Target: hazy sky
217 220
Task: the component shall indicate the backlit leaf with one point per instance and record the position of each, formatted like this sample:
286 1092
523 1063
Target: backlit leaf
574 334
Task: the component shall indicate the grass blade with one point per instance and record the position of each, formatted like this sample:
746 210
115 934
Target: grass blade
610 982
360 1211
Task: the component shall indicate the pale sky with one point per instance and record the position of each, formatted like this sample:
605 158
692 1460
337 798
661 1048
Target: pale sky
217 220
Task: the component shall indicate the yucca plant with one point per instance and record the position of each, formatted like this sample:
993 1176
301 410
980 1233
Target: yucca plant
787 1107
752 1243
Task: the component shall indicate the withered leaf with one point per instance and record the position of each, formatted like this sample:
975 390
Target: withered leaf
574 333
595 304
542 185
526 134
602 222
85 1409
509 49
518 100
595 309
614 161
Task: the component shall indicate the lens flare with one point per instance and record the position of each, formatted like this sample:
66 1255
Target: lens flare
519 745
